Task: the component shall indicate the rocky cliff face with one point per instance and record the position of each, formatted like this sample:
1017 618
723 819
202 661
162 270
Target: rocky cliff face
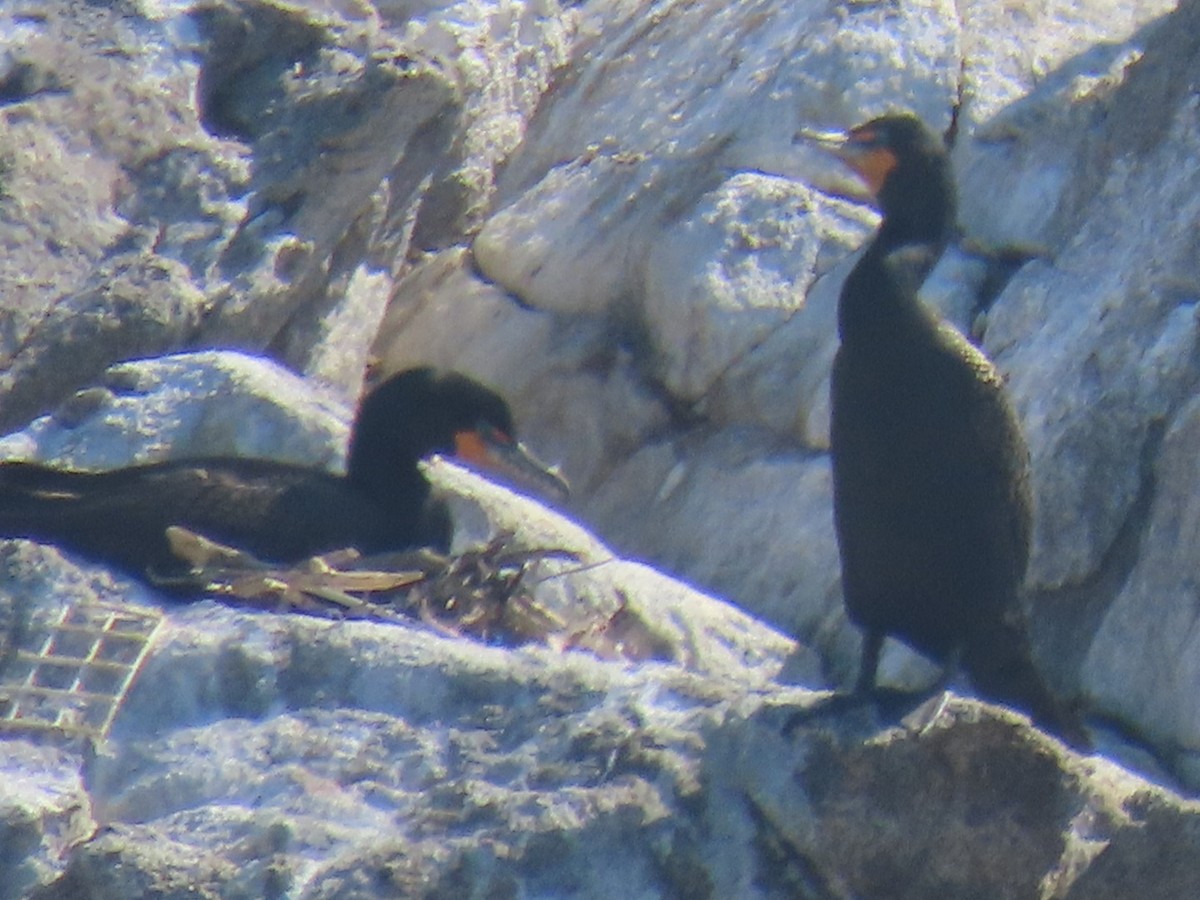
599 208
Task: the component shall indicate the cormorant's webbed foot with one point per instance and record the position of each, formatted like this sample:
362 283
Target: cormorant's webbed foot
891 705
833 705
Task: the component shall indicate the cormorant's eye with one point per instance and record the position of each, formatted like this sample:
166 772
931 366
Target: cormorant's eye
867 137
492 434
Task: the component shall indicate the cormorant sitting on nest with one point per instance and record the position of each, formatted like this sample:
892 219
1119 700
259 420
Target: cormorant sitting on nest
277 511
932 501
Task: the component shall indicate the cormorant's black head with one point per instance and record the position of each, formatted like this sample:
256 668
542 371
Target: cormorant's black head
420 412
907 170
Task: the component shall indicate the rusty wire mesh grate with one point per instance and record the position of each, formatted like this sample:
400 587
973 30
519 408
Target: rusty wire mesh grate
68 675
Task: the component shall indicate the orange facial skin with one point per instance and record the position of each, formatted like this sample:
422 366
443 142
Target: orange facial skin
471 447
870 160
494 451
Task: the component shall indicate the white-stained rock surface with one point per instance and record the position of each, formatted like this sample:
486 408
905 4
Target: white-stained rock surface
600 209
205 403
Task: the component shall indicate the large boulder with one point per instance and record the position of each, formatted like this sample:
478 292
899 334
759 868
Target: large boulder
600 209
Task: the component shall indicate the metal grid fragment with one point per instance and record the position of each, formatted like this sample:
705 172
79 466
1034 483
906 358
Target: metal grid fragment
69 676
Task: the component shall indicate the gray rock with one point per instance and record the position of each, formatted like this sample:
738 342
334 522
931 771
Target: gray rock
209 403
599 208
736 300
1157 608
363 760
683 488
132 306
45 811
269 754
568 382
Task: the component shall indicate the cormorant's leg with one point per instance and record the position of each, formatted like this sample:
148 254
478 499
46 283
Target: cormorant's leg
864 691
897 704
868 664
890 703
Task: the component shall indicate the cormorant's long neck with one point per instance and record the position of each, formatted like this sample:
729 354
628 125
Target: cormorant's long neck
874 306
381 468
927 219
879 299
386 478
918 201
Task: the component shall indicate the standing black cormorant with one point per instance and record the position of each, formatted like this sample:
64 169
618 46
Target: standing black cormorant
932 502
278 511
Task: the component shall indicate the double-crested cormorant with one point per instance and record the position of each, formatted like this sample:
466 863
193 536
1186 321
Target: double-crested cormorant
932 502
278 511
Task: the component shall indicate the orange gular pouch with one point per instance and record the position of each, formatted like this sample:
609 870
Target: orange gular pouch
493 451
872 164
470 446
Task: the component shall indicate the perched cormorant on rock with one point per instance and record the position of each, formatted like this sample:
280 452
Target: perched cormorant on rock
932 502
277 511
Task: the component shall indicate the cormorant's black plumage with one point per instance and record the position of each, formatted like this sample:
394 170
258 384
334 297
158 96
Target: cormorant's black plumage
276 511
932 500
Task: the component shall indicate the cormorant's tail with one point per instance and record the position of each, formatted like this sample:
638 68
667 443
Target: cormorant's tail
1002 671
25 479
33 498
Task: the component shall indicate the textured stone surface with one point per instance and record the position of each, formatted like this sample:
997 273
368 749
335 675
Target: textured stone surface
599 208
207 403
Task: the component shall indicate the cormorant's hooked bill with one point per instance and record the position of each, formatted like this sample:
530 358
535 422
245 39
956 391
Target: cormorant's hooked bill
276 511
931 486
498 452
865 150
